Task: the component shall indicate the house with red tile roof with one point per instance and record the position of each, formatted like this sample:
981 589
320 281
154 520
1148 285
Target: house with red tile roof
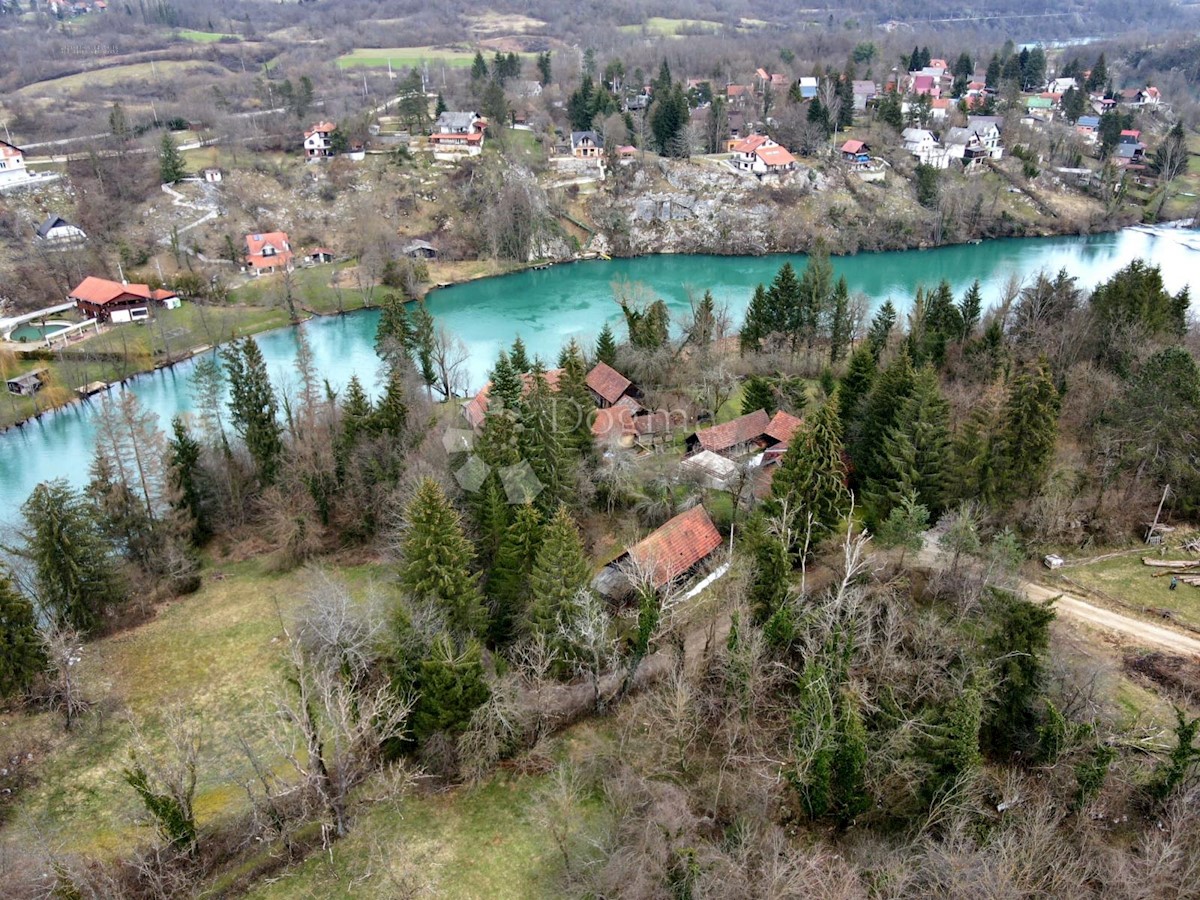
761 156
734 438
268 252
113 301
318 141
608 385
664 556
781 428
475 409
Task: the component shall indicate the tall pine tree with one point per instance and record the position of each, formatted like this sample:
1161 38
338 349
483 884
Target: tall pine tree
22 658
1028 432
253 407
561 569
508 590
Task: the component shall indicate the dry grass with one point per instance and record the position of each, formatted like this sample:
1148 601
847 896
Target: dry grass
116 74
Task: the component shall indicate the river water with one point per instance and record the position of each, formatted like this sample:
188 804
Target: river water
549 306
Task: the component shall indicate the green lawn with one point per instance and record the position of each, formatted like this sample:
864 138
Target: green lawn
670 27
313 289
405 57
1126 579
204 37
213 655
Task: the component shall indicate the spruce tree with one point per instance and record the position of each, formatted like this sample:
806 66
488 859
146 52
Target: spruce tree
891 388
757 393
519 358
1017 644
853 389
881 329
440 106
436 561
190 488
492 513
915 452
508 589
171 166
759 323
541 444
1028 433
390 416
970 310
951 745
808 300
849 764
943 323
355 420
479 67
606 346
811 479
770 573
971 473
394 333
424 334
561 569
75 572
451 686
574 405
22 657
839 321
253 407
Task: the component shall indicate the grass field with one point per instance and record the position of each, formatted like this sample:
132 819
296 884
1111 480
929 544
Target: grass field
405 57
1127 580
671 27
115 75
204 37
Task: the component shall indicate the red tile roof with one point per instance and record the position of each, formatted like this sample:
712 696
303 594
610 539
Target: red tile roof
10 151
321 128
476 408
782 426
613 423
470 137
607 382
673 549
750 144
853 147
775 156
741 430
101 292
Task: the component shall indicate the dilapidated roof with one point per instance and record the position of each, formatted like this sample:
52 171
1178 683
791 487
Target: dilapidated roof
680 544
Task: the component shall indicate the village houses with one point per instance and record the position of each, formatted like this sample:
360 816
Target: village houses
458 134
57 230
760 155
12 165
586 145
318 141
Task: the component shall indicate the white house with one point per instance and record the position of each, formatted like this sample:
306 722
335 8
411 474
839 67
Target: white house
922 144
1061 85
458 133
966 146
12 165
57 230
318 141
987 129
761 155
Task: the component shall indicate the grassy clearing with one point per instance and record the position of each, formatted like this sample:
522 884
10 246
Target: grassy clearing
1126 579
112 75
213 654
204 37
491 22
405 57
671 27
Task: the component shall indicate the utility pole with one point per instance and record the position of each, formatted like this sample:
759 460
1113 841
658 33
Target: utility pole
1154 525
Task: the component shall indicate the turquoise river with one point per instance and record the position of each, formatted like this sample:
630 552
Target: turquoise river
547 307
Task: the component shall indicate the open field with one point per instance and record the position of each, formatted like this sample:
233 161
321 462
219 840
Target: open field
670 27
204 37
405 57
490 22
1129 581
113 75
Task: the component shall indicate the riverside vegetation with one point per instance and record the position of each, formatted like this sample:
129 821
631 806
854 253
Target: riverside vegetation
345 648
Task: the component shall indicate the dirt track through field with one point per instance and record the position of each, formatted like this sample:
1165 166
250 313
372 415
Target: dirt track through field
1147 634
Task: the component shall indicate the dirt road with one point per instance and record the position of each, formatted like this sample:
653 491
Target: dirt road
1147 634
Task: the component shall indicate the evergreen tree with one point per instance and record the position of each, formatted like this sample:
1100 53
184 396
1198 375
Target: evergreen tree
561 569
1135 299
492 515
759 322
1098 77
669 119
543 66
253 407
451 687
757 393
854 388
952 744
770 573
436 559
943 323
479 67
22 657
171 166
818 115
519 357
992 78
848 781
424 345
1074 104
971 473
575 404
580 105
355 422
440 105
542 444
891 111
1028 433
508 589
880 331
74 568
927 185
839 321
649 326
189 481
390 417
808 300
703 328
903 526
606 346
811 480
1017 644
394 333
970 310
891 388
915 452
